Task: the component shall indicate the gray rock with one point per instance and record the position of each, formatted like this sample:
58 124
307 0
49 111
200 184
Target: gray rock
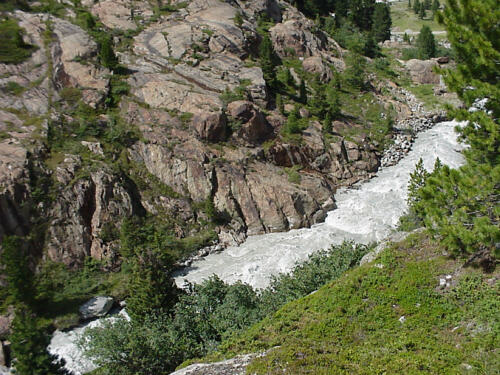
96 307
233 366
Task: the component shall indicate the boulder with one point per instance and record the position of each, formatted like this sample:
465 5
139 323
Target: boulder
295 38
254 127
315 65
422 71
96 307
211 126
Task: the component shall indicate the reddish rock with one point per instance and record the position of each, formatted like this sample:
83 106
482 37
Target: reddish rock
211 126
255 127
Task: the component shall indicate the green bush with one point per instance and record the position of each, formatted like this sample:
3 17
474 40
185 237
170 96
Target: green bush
14 88
206 314
13 50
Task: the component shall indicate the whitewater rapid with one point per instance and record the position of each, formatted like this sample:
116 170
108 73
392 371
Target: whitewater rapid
365 213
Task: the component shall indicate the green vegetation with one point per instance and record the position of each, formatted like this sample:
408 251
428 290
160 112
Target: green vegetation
205 314
461 207
426 45
406 19
13 49
385 318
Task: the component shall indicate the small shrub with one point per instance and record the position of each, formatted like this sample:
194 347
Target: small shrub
13 49
14 88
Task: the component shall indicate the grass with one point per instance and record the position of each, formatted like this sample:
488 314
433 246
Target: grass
404 18
13 50
353 325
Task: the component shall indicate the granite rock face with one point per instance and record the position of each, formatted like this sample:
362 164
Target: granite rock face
205 127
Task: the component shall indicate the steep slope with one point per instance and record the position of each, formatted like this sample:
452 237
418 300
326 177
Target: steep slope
412 310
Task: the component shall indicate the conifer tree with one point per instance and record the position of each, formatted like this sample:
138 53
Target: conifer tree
382 22
462 207
107 56
435 6
416 6
268 61
29 344
303 92
421 12
426 44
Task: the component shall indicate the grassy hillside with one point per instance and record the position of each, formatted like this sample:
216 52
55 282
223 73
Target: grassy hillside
404 18
387 317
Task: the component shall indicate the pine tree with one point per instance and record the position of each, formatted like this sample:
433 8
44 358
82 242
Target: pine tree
371 48
151 287
382 22
462 207
29 344
417 180
107 56
18 275
303 92
426 43
427 4
268 61
435 6
421 12
416 6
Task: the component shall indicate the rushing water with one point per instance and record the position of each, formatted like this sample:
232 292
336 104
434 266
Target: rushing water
368 212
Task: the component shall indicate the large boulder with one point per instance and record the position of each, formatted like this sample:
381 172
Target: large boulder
422 71
315 65
254 127
96 307
211 126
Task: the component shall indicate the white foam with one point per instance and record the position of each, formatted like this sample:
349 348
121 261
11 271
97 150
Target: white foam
364 214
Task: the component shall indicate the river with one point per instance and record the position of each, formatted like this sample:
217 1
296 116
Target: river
366 212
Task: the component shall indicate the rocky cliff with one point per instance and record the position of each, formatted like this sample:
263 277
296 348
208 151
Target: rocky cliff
65 164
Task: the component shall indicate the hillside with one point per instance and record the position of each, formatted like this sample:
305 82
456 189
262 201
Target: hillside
412 310
139 136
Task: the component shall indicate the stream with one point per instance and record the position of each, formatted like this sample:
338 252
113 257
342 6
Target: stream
365 213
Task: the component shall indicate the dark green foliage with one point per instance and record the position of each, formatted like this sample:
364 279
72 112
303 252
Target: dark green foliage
417 180
435 6
29 342
371 48
206 314
14 88
416 6
427 4
268 61
107 56
355 74
293 125
461 207
421 13
303 92
151 287
10 5
148 347
13 50
426 43
382 22
18 275
238 19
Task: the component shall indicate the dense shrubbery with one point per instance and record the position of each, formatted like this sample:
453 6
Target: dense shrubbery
207 313
13 49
